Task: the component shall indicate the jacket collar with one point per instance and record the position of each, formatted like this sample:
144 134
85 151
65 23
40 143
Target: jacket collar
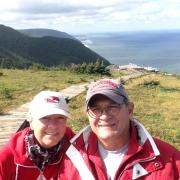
139 136
144 135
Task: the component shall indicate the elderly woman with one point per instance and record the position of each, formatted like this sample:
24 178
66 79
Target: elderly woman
36 152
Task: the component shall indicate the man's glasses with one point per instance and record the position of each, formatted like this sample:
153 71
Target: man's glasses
97 111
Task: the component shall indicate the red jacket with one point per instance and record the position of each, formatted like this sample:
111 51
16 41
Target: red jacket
147 158
14 164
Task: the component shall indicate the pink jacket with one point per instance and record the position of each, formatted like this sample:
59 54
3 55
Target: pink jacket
146 159
14 164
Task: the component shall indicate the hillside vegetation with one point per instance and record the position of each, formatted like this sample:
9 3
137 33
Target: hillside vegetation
45 32
19 86
21 51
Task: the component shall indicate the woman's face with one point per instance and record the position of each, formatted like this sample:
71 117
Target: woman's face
49 130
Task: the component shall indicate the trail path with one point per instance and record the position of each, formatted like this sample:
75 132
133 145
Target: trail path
10 122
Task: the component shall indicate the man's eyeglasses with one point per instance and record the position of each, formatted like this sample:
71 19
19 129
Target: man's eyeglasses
97 111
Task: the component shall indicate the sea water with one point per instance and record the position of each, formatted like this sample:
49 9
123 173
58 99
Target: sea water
157 49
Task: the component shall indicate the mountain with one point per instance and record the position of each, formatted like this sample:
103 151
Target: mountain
20 50
46 32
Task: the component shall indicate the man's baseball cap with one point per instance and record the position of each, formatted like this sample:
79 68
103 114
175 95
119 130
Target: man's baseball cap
109 88
48 103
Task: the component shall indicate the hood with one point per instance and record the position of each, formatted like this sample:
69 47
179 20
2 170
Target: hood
17 145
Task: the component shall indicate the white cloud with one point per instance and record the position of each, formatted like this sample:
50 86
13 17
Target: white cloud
120 16
8 5
85 15
149 8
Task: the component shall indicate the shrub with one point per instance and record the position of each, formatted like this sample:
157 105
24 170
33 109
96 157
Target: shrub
6 93
1 74
36 67
91 68
151 83
59 68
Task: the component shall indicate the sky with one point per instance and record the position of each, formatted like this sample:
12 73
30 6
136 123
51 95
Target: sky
91 16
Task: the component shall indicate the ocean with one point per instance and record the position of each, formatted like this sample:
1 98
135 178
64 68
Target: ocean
157 49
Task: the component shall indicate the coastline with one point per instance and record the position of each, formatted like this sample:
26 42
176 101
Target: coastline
131 68
153 49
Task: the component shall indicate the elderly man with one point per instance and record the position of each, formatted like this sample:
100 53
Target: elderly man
116 146
36 152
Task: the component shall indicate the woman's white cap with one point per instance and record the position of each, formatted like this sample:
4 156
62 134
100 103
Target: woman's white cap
48 103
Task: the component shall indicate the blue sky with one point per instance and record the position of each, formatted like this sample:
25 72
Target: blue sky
86 16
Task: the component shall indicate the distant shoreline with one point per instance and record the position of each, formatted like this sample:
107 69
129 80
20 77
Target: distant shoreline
131 66
157 49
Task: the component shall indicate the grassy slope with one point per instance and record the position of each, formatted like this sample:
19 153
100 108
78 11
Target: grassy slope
156 106
19 86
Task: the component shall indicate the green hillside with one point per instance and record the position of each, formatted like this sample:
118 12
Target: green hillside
46 32
19 50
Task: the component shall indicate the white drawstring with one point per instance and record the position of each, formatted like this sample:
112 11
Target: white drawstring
17 167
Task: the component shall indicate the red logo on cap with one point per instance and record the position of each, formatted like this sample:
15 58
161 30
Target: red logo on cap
103 84
53 99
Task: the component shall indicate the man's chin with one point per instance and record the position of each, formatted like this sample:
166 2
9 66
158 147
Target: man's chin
106 135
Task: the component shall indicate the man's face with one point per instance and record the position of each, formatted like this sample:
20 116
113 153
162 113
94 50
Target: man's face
49 130
113 125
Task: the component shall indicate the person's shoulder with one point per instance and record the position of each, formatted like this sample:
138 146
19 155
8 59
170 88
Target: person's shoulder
80 140
5 153
166 148
69 133
15 143
7 162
